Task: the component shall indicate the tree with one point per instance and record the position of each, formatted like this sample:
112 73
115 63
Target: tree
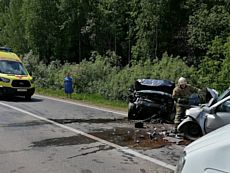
214 68
41 26
4 6
174 16
107 27
72 17
216 49
224 73
146 31
205 24
13 30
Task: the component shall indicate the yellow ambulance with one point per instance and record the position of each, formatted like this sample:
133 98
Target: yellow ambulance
14 78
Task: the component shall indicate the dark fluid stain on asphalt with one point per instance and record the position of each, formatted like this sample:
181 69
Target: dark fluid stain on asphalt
69 121
64 141
26 124
132 138
95 150
12 151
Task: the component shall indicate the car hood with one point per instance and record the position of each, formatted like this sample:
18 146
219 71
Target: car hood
194 112
216 137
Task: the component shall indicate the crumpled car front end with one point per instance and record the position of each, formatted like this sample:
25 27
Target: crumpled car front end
150 97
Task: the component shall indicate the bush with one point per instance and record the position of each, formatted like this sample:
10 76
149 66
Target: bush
47 76
224 73
167 68
172 68
104 75
93 74
214 67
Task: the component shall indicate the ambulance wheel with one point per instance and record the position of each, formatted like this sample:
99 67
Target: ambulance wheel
28 97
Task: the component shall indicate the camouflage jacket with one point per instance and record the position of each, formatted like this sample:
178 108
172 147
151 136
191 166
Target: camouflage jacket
181 96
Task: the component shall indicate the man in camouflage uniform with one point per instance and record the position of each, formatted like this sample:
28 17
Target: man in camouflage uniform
181 94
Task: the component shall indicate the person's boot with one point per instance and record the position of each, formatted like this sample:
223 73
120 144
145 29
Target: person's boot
175 128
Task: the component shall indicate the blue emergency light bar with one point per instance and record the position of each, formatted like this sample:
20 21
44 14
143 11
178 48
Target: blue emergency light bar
6 49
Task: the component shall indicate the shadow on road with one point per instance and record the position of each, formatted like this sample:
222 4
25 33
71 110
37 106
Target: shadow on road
19 99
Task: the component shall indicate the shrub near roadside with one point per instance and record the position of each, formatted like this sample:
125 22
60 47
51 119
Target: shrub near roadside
104 76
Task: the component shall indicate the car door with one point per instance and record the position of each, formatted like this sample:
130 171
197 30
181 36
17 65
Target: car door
220 117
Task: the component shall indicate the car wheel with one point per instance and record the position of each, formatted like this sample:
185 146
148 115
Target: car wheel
171 117
131 112
192 131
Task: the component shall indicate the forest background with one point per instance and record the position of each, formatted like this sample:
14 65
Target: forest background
108 44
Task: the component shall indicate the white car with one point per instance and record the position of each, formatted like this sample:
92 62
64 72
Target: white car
209 117
209 154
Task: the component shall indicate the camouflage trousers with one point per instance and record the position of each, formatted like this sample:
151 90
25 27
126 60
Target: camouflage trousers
180 112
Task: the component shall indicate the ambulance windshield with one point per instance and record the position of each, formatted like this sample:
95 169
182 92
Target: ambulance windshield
12 67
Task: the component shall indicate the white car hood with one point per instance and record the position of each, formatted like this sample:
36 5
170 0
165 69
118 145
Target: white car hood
221 135
193 111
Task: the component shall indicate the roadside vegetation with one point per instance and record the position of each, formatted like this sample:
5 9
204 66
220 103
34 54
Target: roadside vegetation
91 99
100 79
107 44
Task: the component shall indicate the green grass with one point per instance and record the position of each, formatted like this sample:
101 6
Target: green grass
94 99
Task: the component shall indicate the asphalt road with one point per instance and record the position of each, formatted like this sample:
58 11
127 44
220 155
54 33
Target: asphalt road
48 135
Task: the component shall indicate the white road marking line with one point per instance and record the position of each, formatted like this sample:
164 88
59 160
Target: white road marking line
118 147
83 105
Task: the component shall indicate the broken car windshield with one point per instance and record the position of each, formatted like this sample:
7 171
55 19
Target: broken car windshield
224 94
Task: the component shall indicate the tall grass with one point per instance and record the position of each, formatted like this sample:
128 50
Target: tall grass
93 99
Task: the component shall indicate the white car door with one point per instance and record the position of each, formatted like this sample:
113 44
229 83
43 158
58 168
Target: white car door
220 118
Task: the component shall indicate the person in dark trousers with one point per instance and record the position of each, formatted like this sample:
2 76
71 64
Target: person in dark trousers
68 85
181 94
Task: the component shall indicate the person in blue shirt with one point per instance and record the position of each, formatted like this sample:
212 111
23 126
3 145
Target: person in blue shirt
68 85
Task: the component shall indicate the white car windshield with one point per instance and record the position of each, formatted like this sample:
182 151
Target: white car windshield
12 67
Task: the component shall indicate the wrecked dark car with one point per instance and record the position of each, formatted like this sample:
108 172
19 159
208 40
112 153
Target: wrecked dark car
151 98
